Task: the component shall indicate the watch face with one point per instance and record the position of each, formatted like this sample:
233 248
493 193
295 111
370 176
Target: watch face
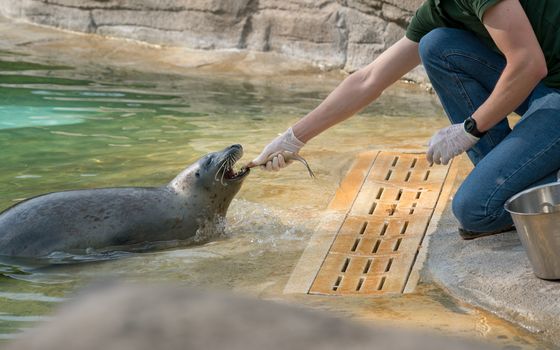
469 125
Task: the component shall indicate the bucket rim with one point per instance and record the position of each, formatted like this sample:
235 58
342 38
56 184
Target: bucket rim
516 196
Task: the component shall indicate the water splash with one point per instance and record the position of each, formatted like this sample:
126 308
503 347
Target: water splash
209 230
266 226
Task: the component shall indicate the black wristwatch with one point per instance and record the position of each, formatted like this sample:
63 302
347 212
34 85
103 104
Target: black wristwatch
470 127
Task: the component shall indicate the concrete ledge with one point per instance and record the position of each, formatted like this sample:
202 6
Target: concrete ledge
493 273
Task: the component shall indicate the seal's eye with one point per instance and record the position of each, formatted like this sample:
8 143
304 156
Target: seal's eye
197 174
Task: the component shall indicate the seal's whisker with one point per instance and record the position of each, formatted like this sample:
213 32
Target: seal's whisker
222 179
226 167
231 163
218 172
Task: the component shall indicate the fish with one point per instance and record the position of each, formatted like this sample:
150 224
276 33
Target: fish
288 157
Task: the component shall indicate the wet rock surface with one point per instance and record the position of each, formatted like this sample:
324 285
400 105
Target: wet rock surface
344 34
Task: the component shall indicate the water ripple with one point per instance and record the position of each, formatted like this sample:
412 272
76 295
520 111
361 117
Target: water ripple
31 297
13 318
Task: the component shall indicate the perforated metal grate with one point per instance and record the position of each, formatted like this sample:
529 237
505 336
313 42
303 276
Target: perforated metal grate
376 245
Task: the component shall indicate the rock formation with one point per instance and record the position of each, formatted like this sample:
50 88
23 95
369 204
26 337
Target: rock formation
343 34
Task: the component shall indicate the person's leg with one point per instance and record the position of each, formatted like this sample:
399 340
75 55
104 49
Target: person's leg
463 72
528 156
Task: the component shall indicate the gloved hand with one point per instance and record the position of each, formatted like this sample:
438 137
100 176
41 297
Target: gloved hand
449 142
274 156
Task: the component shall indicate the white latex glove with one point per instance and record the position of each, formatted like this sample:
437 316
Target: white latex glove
449 142
275 155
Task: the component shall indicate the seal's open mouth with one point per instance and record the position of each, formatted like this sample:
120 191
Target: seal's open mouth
226 170
231 174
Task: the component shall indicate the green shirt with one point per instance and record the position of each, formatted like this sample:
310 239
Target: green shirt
544 16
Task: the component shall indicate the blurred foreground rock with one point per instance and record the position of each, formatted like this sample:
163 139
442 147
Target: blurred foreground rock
138 318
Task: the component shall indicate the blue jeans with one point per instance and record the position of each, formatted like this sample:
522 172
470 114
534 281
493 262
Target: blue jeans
463 71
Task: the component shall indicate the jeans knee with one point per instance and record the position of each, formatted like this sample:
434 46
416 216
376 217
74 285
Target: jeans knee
470 211
431 44
462 209
474 213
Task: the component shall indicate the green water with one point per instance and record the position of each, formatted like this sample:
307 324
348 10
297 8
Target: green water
67 127
86 126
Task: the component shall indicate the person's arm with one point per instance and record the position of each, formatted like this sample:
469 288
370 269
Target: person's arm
511 30
351 96
359 89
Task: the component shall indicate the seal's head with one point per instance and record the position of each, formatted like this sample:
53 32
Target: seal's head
213 177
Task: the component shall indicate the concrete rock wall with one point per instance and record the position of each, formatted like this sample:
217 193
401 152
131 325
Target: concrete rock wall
335 33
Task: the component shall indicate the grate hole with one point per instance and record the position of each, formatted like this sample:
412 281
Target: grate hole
405 226
363 228
389 173
384 229
372 209
389 263
368 266
407 176
345 266
355 246
397 245
419 193
376 246
391 211
381 283
360 284
395 161
379 193
427 175
413 163
412 209
399 195
337 283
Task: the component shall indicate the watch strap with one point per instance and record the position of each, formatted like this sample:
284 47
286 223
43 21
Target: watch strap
471 127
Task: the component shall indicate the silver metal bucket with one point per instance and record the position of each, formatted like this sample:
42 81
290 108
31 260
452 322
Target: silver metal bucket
536 214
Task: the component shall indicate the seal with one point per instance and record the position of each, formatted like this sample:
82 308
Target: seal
111 218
